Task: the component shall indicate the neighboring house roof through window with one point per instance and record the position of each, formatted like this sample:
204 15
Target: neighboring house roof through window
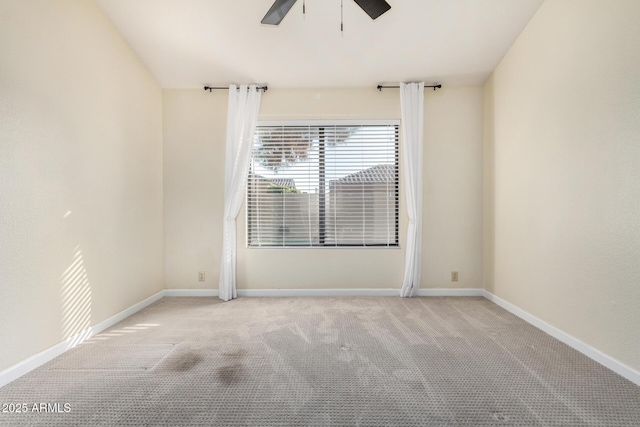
378 174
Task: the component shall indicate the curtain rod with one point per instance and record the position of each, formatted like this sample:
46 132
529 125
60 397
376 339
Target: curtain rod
212 88
380 87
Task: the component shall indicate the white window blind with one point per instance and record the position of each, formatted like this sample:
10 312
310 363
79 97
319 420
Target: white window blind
323 185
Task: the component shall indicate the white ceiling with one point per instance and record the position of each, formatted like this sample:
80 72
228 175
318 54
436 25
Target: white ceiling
189 43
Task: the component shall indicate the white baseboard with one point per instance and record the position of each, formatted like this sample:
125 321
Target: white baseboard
353 292
453 292
600 357
349 292
16 371
190 292
356 292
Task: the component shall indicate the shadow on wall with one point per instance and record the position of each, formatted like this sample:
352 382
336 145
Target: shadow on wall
76 301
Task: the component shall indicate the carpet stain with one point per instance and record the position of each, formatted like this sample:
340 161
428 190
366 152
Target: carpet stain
231 374
182 362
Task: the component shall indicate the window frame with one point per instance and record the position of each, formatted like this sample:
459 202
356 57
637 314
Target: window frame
325 123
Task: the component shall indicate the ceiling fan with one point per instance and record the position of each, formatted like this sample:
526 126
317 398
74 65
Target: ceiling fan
280 8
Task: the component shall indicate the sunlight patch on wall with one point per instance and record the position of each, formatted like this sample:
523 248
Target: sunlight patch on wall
76 301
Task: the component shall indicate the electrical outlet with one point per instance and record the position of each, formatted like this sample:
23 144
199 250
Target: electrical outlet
454 276
201 276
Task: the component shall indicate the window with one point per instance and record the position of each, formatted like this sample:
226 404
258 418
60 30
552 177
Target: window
323 184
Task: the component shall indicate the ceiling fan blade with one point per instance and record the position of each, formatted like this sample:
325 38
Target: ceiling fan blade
374 8
277 12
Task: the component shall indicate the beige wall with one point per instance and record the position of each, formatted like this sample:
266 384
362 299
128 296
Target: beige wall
488 185
194 126
452 211
194 137
562 120
81 174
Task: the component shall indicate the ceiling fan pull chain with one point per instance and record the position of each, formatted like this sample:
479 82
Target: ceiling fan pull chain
304 7
341 16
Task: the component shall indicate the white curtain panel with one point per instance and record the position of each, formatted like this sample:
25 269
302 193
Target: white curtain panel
242 115
412 107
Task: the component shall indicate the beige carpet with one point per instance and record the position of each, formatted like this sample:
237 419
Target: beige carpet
323 361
